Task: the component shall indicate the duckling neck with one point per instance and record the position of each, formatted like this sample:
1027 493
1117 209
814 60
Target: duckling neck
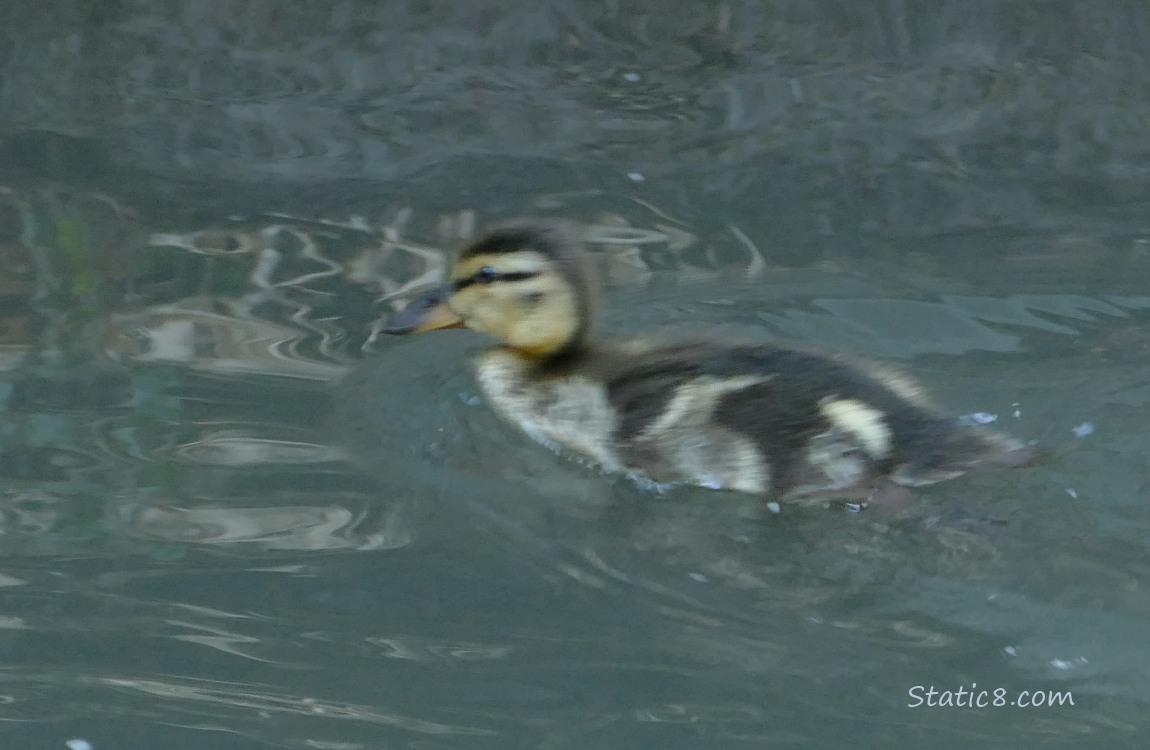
553 359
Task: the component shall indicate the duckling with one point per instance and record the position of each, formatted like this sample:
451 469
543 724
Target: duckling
787 423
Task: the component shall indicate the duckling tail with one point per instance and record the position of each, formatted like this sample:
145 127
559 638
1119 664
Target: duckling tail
1018 457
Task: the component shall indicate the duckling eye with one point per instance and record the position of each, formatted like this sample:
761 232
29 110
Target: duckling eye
489 275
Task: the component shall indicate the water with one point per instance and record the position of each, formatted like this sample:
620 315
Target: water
236 516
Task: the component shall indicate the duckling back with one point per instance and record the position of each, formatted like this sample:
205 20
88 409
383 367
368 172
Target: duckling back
782 422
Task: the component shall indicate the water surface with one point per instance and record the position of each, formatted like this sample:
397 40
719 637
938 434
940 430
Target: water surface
235 515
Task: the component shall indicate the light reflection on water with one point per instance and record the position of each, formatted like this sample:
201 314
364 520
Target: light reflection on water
224 514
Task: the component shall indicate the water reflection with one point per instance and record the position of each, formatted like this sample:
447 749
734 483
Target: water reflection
279 528
187 694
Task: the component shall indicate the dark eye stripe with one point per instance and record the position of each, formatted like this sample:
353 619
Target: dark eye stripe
487 275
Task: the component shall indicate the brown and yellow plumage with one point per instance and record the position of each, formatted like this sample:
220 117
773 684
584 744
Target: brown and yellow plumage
786 423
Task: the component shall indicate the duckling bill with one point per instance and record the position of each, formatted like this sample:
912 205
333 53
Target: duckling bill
785 423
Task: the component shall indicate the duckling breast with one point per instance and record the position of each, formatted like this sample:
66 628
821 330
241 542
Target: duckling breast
559 410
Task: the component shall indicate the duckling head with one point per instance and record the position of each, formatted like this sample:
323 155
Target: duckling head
526 283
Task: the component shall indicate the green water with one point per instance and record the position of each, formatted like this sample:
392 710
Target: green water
232 515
